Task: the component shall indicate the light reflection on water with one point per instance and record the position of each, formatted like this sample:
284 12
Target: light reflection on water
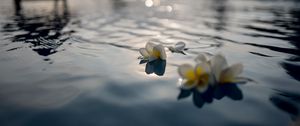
77 63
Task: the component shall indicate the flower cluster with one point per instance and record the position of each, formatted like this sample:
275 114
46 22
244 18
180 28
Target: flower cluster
208 79
208 71
211 71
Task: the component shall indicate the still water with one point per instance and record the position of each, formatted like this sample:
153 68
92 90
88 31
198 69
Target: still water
76 62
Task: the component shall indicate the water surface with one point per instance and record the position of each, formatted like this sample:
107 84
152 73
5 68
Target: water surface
76 63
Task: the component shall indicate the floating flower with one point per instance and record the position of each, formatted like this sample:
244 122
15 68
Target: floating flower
210 79
226 74
178 48
195 77
152 52
210 71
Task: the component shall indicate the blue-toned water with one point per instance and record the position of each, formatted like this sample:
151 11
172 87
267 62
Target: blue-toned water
76 62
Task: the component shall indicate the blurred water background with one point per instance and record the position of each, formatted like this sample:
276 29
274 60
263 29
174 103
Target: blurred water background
75 62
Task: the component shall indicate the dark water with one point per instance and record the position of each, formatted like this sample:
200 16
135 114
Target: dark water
76 63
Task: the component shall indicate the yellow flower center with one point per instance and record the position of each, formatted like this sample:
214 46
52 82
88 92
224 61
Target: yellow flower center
190 75
199 70
203 80
156 53
198 77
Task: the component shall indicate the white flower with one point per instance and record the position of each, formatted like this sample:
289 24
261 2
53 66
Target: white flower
178 48
195 76
210 71
152 52
224 73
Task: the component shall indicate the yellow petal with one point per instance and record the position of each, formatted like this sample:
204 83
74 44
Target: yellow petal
156 53
229 74
159 52
186 71
203 79
202 68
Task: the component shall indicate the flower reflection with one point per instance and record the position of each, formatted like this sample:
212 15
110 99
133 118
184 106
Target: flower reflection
157 67
199 99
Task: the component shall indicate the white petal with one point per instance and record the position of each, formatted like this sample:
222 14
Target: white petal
203 72
218 63
161 50
149 47
202 68
230 73
201 58
212 81
144 52
172 49
202 89
184 69
179 46
188 85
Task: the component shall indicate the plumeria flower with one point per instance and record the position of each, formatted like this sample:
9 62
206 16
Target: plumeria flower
212 78
152 52
195 76
226 74
178 48
210 70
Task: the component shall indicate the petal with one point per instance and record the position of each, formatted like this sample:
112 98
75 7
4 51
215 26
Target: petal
203 80
179 46
156 53
202 88
159 51
144 52
229 74
172 49
186 71
218 63
201 58
149 47
189 84
202 68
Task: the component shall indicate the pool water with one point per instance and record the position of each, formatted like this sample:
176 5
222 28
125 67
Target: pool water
76 62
